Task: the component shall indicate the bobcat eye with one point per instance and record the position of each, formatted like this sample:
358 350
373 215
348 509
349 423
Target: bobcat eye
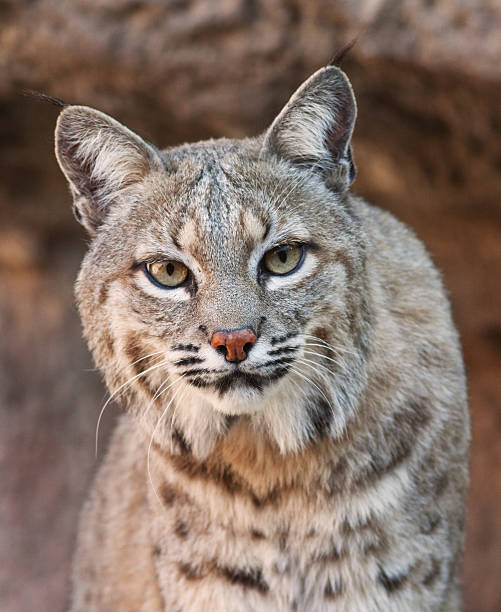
283 259
169 274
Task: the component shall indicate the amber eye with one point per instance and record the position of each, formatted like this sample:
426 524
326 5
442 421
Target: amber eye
169 274
283 259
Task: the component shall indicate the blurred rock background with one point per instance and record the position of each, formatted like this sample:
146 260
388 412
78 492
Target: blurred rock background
427 144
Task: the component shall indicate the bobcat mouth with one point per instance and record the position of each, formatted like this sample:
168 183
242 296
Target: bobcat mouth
237 380
236 377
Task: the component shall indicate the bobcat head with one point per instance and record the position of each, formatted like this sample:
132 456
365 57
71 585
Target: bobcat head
225 279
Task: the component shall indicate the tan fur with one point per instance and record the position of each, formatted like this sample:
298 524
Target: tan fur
327 470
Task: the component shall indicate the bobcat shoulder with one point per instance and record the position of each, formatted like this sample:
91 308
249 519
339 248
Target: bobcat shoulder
295 433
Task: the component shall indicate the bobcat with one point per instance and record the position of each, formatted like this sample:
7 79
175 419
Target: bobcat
296 427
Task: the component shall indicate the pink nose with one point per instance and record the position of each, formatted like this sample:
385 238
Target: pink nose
234 344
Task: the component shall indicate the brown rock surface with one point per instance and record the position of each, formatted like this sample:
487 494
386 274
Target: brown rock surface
427 144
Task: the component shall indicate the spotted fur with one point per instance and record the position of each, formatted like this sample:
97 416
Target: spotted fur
327 470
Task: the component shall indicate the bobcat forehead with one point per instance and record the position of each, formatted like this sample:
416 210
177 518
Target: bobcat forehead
296 430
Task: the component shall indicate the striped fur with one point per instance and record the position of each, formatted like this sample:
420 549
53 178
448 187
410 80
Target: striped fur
327 471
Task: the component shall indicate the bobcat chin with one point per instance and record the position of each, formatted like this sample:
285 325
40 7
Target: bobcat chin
295 431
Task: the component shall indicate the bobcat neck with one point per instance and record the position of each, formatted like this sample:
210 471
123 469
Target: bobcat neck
250 465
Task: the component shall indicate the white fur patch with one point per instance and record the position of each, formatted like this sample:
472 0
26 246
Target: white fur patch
188 235
281 282
180 294
253 226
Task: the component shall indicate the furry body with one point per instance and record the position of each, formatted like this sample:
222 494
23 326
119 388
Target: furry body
328 470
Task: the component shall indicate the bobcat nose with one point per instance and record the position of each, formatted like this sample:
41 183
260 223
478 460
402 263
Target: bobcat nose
234 344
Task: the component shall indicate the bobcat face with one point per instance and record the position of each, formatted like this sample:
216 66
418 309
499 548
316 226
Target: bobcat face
216 232
224 274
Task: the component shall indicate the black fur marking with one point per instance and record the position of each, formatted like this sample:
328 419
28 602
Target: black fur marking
203 329
223 476
103 294
273 497
273 362
236 379
109 343
251 578
198 383
256 534
280 339
282 540
220 474
320 414
190 348
181 442
434 573
399 439
181 529
190 572
196 371
285 349
331 555
230 420
392 583
77 213
188 361
376 545
331 590
430 522
139 363
168 493
440 483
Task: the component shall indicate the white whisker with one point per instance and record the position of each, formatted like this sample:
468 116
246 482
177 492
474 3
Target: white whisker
155 430
117 391
331 347
286 192
311 382
303 392
146 357
307 361
160 391
339 353
300 178
336 361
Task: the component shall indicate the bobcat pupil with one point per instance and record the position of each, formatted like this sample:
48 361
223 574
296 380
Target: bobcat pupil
170 269
282 255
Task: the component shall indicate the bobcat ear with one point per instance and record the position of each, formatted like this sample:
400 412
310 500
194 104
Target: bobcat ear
314 129
99 157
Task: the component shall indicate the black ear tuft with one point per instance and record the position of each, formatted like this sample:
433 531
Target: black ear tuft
340 55
45 98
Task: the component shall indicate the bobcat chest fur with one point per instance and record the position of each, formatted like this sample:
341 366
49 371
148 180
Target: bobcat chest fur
296 432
